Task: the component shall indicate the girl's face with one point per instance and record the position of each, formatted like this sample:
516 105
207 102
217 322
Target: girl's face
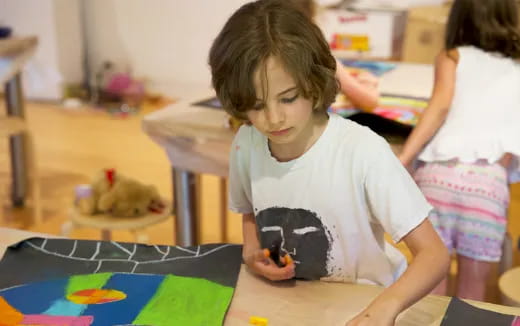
281 113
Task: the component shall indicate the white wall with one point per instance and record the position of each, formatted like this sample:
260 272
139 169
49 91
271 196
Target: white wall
69 39
164 41
59 53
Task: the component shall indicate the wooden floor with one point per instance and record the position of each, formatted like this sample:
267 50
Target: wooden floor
73 144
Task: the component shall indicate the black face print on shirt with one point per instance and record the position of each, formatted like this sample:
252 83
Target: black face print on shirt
300 233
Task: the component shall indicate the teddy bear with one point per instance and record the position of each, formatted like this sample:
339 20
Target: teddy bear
117 195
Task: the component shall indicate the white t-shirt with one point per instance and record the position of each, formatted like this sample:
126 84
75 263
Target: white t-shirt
483 120
329 208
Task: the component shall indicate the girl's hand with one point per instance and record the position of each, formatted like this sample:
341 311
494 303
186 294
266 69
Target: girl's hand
373 316
368 79
260 263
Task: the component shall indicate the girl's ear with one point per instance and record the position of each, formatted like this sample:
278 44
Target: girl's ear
106 201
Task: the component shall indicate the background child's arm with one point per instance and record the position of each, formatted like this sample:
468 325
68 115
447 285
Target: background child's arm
362 91
429 266
254 256
433 116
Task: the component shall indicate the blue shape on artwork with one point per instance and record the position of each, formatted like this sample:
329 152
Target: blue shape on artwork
34 298
125 311
64 307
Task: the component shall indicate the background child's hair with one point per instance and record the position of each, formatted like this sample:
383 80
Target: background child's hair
270 28
491 25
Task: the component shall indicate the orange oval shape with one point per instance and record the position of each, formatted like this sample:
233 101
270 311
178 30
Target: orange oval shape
96 296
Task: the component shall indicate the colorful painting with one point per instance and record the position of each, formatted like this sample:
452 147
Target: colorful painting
352 42
462 313
94 283
400 109
377 68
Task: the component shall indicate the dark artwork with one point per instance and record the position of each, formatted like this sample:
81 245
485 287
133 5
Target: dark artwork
462 313
39 259
95 283
299 233
384 127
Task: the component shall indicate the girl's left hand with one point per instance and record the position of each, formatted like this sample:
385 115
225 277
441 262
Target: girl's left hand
373 317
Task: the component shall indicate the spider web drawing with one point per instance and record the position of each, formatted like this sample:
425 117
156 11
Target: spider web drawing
37 258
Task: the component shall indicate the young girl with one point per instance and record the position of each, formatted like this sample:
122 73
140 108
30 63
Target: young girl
361 89
471 132
316 191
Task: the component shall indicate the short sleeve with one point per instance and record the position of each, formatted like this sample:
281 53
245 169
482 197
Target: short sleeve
394 198
240 200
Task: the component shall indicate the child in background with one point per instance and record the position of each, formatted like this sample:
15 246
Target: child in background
471 132
360 89
316 191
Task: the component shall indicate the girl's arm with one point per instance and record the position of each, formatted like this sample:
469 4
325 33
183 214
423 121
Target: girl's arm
433 116
255 258
363 96
429 266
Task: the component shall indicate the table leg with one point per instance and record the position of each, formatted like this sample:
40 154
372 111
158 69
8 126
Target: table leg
15 107
223 210
186 210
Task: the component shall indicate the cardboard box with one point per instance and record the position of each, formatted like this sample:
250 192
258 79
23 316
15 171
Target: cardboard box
375 34
424 36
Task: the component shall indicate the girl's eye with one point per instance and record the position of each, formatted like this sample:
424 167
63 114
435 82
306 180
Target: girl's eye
258 106
289 100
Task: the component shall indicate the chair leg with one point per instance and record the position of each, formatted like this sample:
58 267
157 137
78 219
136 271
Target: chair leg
105 235
33 179
223 210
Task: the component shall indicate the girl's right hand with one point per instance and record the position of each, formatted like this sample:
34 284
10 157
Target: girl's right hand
265 266
368 80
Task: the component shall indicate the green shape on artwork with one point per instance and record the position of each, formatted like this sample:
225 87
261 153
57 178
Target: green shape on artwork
87 281
186 301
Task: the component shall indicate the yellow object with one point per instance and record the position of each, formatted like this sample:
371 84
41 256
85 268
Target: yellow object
288 260
351 42
258 321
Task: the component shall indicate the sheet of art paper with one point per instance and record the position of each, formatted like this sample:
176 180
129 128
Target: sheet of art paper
462 313
96 283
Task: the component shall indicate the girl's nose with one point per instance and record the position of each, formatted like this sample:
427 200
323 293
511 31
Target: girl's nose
274 116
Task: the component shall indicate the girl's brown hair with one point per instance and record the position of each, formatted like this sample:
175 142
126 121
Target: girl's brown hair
270 28
491 25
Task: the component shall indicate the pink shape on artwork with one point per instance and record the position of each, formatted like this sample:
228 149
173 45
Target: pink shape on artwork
516 322
45 320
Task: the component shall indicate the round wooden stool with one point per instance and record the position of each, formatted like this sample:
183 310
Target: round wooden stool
509 285
108 223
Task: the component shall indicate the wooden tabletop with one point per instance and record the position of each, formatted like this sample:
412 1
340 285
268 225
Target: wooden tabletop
14 53
304 303
15 45
509 285
197 139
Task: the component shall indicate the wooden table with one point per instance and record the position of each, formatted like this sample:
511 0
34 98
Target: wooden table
14 53
196 139
509 286
305 303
